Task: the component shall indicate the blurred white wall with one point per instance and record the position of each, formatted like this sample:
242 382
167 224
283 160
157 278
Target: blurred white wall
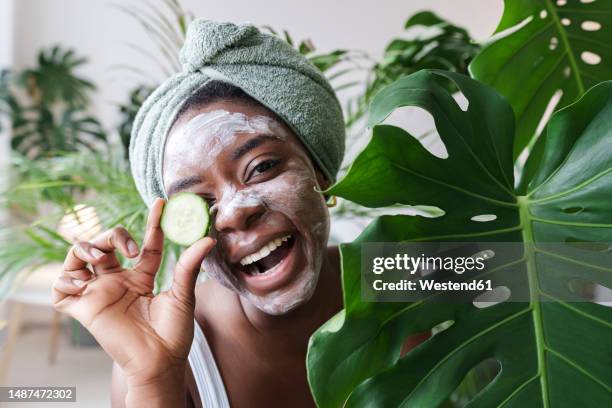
101 32
6 33
6 59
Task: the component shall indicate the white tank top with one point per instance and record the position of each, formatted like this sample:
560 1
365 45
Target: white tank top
205 371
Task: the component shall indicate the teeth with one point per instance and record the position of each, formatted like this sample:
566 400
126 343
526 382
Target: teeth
264 251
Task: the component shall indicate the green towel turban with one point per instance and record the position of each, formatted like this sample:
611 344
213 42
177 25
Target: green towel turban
263 66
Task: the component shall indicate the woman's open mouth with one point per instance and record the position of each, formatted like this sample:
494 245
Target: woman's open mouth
268 268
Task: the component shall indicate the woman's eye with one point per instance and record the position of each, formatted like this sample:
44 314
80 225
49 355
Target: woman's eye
209 201
264 166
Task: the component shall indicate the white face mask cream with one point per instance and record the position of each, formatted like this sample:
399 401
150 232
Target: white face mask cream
286 202
212 132
290 195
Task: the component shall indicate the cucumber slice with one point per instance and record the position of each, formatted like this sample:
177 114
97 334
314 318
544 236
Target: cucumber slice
185 219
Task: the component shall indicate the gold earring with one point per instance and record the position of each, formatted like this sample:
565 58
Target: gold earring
332 202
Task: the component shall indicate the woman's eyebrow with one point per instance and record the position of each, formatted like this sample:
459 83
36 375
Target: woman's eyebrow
183 184
236 154
250 145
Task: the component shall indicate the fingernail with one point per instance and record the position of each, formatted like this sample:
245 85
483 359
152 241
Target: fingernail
79 283
96 253
132 247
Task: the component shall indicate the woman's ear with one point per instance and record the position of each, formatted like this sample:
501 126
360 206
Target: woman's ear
323 182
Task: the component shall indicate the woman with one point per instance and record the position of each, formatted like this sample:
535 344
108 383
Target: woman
255 129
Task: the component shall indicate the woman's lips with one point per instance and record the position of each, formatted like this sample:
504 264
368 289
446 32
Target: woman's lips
275 277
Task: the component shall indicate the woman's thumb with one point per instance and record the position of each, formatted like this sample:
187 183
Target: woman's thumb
188 266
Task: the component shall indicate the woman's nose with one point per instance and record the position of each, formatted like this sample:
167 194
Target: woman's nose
235 213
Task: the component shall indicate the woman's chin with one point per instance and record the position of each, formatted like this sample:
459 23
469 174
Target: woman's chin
283 302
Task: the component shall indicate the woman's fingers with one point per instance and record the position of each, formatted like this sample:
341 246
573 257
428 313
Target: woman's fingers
102 262
65 287
75 272
117 238
81 274
69 286
79 256
100 253
187 268
152 248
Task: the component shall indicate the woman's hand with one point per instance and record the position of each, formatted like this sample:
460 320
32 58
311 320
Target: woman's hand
147 336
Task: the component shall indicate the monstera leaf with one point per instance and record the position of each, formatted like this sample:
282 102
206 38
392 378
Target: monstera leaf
548 348
551 51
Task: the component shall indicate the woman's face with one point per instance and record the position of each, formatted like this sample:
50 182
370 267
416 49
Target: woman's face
270 224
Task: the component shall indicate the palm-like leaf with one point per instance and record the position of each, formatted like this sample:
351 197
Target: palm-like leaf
54 79
38 133
49 117
9 105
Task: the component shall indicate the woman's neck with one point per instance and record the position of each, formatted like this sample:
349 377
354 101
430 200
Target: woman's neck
296 326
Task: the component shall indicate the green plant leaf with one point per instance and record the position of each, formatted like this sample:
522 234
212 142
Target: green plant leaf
46 106
544 51
546 350
326 61
40 133
128 111
54 79
306 47
443 46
